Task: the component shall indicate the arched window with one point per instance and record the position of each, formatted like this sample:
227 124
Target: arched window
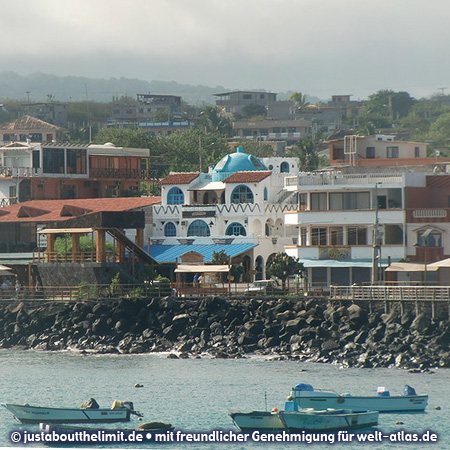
259 267
198 228
266 194
284 167
242 194
170 229
235 229
175 196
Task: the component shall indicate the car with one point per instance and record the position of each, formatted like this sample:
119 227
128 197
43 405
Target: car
264 287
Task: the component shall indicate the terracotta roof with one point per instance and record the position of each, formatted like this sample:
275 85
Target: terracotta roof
55 210
28 123
247 177
179 178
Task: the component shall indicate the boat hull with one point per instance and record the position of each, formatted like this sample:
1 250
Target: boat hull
38 414
394 403
328 420
258 420
307 420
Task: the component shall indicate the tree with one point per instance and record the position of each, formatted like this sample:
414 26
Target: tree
305 151
299 100
254 110
394 105
282 266
212 121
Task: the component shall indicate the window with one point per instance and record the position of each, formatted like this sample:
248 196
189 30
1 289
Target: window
53 160
170 229
266 194
349 200
36 159
242 194
76 161
319 236
356 236
416 152
392 152
198 228
319 202
247 96
370 152
284 167
336 236
175 196
235 229
433 239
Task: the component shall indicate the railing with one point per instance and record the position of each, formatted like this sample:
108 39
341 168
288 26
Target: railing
79 257
8 201
391 293
123 174
326 179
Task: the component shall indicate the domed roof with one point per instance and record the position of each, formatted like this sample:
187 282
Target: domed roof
238 162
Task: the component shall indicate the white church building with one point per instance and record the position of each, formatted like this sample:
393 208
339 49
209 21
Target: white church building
237 207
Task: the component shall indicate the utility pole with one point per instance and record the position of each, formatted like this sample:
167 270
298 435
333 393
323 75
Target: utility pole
376 246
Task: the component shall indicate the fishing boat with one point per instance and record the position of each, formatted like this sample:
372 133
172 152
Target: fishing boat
119 412
293 419
305 396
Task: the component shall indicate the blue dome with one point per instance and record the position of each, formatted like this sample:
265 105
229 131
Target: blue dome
238 162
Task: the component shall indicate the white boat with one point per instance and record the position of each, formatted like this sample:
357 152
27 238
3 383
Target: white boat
305 396
119 412
258 420
304 420
328 420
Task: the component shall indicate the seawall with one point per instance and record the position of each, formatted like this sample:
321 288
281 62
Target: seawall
304 330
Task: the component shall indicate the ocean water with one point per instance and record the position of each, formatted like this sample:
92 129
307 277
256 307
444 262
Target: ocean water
198 394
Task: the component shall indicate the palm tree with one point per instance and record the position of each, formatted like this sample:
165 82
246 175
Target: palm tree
299 100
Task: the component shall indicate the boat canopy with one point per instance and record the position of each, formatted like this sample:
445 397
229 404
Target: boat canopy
304 387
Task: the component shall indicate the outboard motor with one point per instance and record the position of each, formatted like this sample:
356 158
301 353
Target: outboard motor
130 406
408 390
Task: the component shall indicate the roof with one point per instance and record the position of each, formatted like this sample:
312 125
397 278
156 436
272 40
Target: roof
238 162
410 267
179 178
28 123
171 253
247 177
56 210
202 268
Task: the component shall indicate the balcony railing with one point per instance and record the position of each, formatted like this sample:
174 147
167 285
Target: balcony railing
330 179
136 174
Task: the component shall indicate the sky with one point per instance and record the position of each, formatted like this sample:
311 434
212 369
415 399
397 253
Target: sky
317 47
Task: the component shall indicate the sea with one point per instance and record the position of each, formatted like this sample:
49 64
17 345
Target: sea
196 395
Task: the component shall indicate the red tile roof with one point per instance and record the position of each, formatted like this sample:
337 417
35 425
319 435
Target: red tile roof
55 210
28 123
179 178
247 177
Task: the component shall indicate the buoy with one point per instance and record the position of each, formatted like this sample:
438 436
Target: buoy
398 423
137 385
438 408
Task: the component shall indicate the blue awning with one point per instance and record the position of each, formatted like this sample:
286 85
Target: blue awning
172 253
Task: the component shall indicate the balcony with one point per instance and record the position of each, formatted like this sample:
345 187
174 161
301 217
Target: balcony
338 179
426 215
18 172
133 174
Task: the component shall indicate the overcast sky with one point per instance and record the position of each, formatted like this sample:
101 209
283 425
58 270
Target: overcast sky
318 47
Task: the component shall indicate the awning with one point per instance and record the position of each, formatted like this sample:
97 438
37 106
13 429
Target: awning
173 253
202 268
339 263
438 264
65 230
211 186
410 267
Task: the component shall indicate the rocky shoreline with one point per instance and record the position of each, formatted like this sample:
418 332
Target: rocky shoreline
287 328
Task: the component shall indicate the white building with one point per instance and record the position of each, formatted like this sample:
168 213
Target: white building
237 207
350 226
